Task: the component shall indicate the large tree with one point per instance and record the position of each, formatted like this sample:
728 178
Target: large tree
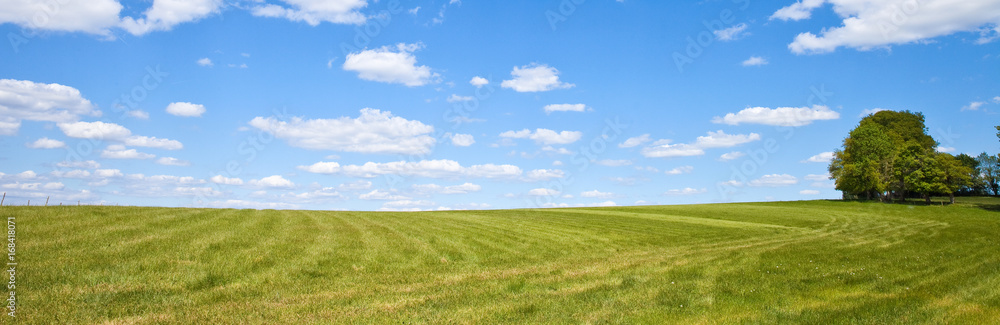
867 162
919 171
976 184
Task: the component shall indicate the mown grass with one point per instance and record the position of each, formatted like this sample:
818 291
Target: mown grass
790 262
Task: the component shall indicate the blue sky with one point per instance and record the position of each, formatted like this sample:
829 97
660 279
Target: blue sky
426 105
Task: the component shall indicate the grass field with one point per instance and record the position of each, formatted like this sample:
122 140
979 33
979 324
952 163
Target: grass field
789 262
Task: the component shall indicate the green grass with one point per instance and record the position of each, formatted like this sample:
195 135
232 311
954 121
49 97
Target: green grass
791 262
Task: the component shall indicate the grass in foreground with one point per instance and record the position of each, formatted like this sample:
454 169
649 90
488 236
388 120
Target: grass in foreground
792 262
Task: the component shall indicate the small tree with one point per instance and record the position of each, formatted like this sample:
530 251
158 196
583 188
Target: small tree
989 170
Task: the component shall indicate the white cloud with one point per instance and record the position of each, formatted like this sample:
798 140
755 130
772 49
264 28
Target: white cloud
613 162
774 180
185 109
374 131
153 142
27 100
108 173
205 62
273 181
407 205
414 10
125 154
391 65
817 177
680 170
663 149
28 174
424 168
535 78
720 139
543 175
94 16
755 61
685 191
973 106
545 136
171 161
219 179
95 130
165 14
382 195
565 108
597 194
797 11
46 143
462 140
736 32
139 114
809 192
76 173
731 155
823 157
479 81
241 204
635 141
313 12
88 164
543 192
996 99
869 24
781 116
456 98
454 189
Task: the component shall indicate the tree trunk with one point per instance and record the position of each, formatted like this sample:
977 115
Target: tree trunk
951 197
927 198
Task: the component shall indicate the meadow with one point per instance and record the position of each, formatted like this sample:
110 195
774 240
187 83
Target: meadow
782 262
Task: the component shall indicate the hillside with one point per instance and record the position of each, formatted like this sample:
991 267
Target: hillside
808 262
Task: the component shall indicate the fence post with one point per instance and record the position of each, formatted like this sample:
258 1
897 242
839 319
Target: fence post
47 200
4 198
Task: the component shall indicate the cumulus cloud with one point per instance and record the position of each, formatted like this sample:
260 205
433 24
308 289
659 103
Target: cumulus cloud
153 142
205 62
869 24
219 179
273 181
754 61
139 114
171 161
391 65
685 191
462 140
448 169
597 194
543 192
823 157
666 148
453 189
733 33
544 136
46 143
781 116
185 109
313 12
635 141
809 192
125 154
774 180
973 106
565 108
479 81
95 130
93 17
456 98
535 78
163 15
374 131
680 170
28 100
731 155
88 164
